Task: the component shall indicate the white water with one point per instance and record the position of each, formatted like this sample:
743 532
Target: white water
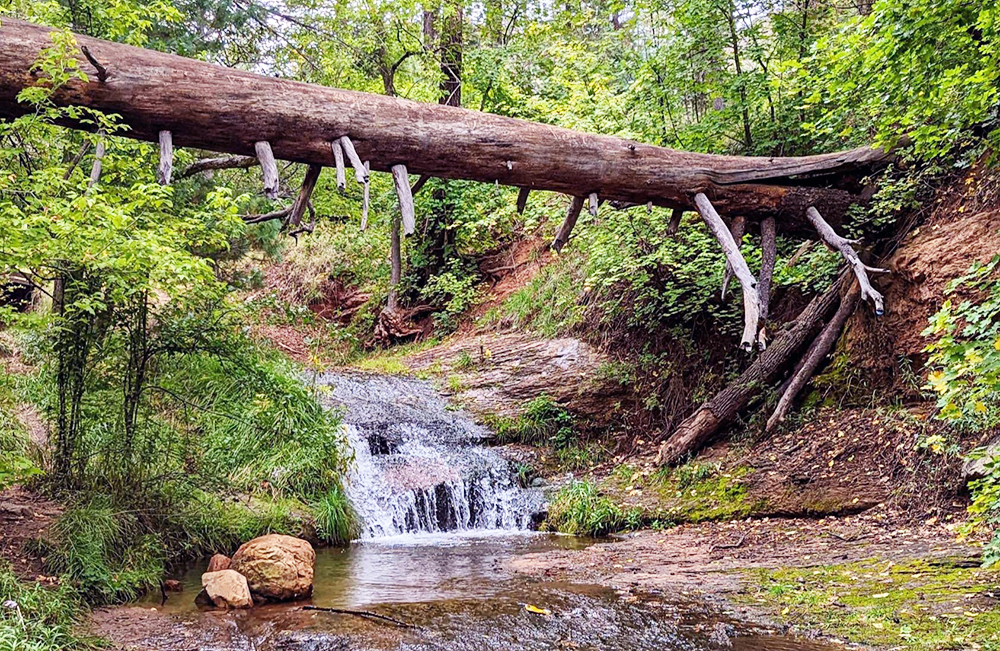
419 466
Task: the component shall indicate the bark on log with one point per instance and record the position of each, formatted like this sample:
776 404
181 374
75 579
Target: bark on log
843 245
698 428
751 299
166 168
814 356
572 214
225 110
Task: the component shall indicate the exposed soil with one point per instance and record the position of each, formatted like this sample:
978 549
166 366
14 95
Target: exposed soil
25 516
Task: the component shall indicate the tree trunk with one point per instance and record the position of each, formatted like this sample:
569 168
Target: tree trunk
225 110
698 428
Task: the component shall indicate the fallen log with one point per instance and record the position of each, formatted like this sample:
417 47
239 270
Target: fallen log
699 427
220 109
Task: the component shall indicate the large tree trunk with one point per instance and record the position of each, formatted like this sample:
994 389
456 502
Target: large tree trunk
216 108
699 427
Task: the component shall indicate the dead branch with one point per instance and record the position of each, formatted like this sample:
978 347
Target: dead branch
751 299
166 167
402 182
843 245
572 214
269 168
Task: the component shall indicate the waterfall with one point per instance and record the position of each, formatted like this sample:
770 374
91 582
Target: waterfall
420 465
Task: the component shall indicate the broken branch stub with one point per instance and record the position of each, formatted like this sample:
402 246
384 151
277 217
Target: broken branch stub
572 214
338 161
751 299
592 203
305 193
843 246
675 221
166 168
402 182
269 168
365 199
522 200
95 170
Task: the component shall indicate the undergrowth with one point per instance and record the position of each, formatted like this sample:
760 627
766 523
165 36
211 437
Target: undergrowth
580 508
34 617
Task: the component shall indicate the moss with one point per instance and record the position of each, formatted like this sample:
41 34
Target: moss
917 604
694 492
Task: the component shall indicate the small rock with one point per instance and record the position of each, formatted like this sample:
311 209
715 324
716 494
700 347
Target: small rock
721 633
277 568
538 482
218 563
227 589
173 585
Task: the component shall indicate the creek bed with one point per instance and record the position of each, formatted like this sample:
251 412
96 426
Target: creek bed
458 589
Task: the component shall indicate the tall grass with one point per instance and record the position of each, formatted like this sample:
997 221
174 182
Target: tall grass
579 508
37 618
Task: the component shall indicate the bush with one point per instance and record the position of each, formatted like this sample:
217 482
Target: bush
579 508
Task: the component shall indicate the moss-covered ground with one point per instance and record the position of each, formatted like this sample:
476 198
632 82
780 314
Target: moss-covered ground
915 604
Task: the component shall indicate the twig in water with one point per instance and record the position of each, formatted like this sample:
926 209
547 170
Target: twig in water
362 613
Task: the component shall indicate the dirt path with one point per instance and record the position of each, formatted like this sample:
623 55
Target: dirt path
24 516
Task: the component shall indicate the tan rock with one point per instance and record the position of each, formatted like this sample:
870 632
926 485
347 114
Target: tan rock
277 568
227 589
218 563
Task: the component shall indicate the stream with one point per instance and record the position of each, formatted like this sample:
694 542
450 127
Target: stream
444 515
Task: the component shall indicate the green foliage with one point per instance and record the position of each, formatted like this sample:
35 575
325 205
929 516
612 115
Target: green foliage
105 553
336 520
863 75
34 617
966 351
579 508
549 304
542 421
965 356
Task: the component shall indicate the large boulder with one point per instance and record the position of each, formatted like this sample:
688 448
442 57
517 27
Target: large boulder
977 466
227 589
277 568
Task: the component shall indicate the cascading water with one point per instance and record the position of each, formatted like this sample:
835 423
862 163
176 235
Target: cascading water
419 465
